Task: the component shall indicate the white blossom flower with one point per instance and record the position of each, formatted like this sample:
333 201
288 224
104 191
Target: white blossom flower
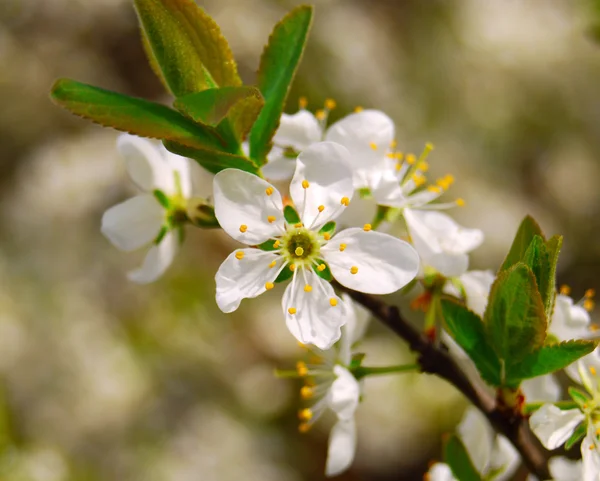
570 320
329 385
156 216
251 211
475 286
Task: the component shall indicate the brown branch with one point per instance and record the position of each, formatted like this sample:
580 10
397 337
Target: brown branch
437 360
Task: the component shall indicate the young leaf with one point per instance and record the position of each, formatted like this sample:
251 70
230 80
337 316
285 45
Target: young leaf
242 116
457 457
515 321
212 160
187 45
133 115
553 246
527 230
291 216
537 258
277 69
576 436
467 330
211 106
547 359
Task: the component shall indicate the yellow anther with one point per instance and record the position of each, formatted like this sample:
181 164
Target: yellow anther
269 286
358 109
390 155
373 145
299 251
598 432
590 293
321 208
434 188
592 447
565 290
588 305
307 288
393 144
345 201
353 270
399 156
594 327
276 244
305 184
243 228
239 255
269 190
302 102
292 267
301 368
320 114
342 247
306 392
460 202
298 225
305 414
367 227
326 236
271 219
321 267
593 370
411 159
272 264
292 310
423 166
398 166
333 302
330 104
304 428
429 146
419 180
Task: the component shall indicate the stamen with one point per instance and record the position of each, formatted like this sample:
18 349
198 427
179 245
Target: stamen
333 302
399 156
588 305
307 288
277 243
411 159
301 369
321 208
353 270
239 255
373 145
305 414
345 201
460 202
271 219
342 247
419 180
304 428
330 104
243 228
292 267
269 190
269 286
326 236
592 370
302 102
298 225
565 290
292 310
306 392
358 109
321 267
434 188
398 166
423 166
367 227
299 251
393 144
272 264
590 293
320 114
305 184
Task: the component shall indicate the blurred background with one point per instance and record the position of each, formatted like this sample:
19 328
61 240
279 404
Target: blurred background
104 380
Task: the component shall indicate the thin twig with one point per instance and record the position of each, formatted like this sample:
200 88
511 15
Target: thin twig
437 360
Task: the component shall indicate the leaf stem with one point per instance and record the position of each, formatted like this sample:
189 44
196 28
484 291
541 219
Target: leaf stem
364 371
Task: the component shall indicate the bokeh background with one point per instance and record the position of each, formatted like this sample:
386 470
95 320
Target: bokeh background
104 380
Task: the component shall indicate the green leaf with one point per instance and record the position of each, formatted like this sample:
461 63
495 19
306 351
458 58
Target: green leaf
553 246
527 230
328 228
467 330
212 160
133 115
548 359
537 258
515 321
278 66
579 433
242 116
186 45
457 457
290 215
325 273
211 106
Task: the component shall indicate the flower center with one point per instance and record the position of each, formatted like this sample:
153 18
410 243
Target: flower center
300 246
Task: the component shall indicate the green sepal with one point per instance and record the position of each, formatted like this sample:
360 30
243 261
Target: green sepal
285 274
268 245
457 457
161 235
467 329
202 214
278 66
357 359
328 228
291 215
579 432
161 198
129 114
186 46
527 230
325 273
212 160
579 396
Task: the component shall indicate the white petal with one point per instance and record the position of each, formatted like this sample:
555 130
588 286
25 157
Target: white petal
359 133
478 438
146 164
553 426
344 393
585 370
315 320
357 320
299 130
564 469
541 389
245 278
450 265
326 167
440 472
569 320
157 260
241 200
342 447
280 168
590 455
477 285
385 263
182 174
133 223
505 457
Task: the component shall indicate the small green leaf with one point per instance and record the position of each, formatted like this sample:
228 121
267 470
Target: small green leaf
515 321
548 359
211 106
325 273
579 433
212 160
553 246
186 45
285 274
579 396
527 230
290 215
467 330
328 228
133 115
457 457
278 66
